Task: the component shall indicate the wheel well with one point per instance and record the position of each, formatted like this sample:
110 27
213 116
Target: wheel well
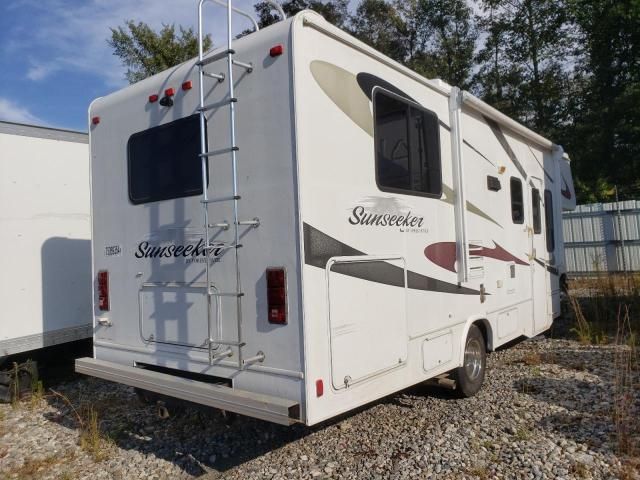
485 329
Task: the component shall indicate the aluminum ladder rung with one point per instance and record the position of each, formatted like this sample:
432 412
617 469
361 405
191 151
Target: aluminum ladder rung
226 294
247 66
220 151
230 343
222 247
255 223
217 56
218 76
221 199
222 225
216 356
219 104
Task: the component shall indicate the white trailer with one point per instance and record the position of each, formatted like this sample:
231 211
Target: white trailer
361 229
45 279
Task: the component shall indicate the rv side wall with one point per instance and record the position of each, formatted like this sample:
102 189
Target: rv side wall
45 283
384 304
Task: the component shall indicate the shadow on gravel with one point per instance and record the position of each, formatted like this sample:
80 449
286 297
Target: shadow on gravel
196 440
587 406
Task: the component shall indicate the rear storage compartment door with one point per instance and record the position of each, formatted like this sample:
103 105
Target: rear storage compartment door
367 317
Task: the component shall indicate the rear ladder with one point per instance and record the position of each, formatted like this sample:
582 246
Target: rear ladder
231 149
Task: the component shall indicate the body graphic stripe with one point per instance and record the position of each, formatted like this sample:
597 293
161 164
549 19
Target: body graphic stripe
320 247
497 131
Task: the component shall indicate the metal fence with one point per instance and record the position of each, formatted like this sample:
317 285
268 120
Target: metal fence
602 237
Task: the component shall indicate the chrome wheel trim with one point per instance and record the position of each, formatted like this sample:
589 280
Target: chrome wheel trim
473 359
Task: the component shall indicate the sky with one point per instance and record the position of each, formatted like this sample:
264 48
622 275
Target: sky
54 56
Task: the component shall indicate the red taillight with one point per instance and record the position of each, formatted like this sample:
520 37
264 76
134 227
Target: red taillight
188 85
169 92
153 98
277 295
103 290
319 388
95 120
276 50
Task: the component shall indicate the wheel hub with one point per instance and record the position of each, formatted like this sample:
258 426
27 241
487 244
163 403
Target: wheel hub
473 359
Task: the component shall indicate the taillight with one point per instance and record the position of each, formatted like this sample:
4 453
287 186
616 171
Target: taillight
103 290
277 295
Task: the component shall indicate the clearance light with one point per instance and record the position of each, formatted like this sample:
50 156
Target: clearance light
277 295
169 92
153 98
276 50
103 290
319 388
95 120
188 85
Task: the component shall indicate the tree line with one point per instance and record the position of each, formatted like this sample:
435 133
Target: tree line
568 69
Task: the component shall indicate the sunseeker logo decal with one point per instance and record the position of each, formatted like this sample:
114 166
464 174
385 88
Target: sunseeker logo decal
191 253
386 212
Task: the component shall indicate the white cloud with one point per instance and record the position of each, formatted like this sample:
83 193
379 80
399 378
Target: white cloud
12 112
72 36
40 72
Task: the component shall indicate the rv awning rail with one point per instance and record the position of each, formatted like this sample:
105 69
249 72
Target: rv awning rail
265 407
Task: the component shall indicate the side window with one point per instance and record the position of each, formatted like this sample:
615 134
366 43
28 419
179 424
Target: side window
407 142
164 162
517 202
535 202
548 220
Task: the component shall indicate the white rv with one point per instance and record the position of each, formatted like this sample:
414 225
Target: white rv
45 279
361 229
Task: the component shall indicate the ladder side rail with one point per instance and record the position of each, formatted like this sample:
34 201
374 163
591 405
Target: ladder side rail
234 163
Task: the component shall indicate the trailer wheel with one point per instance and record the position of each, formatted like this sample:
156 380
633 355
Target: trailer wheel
470 376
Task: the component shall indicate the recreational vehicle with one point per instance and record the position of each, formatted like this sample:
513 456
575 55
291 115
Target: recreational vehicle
45 282
293 225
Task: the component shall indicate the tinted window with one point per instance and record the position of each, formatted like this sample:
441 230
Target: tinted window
164 162
517 203
548 220
407 146
535 203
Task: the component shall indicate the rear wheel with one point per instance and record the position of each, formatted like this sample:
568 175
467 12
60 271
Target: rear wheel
470 376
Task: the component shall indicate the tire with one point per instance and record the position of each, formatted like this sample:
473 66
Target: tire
470 376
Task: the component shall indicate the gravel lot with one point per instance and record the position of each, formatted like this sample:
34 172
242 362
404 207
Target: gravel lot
545 412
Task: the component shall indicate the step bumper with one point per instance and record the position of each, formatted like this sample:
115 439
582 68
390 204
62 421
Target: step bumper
265 407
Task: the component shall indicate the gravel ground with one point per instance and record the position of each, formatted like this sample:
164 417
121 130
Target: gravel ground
545 412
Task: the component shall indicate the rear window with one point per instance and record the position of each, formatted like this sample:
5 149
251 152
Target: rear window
164 162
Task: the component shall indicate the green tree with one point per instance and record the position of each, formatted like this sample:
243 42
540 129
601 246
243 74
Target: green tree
604 140
525 58
146 52
334 11
447 37
379 24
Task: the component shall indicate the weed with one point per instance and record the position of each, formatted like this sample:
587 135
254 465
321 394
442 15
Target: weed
532 358
536 372
479 471
579 470
37 393
65 476
92 440
487 444
523 434
34 467
626 388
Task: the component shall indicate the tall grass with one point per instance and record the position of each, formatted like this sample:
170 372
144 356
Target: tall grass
606 309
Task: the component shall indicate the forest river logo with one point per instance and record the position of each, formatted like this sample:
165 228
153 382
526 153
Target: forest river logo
191 253
386 212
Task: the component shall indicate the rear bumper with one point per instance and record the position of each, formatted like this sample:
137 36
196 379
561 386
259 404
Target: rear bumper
264 407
